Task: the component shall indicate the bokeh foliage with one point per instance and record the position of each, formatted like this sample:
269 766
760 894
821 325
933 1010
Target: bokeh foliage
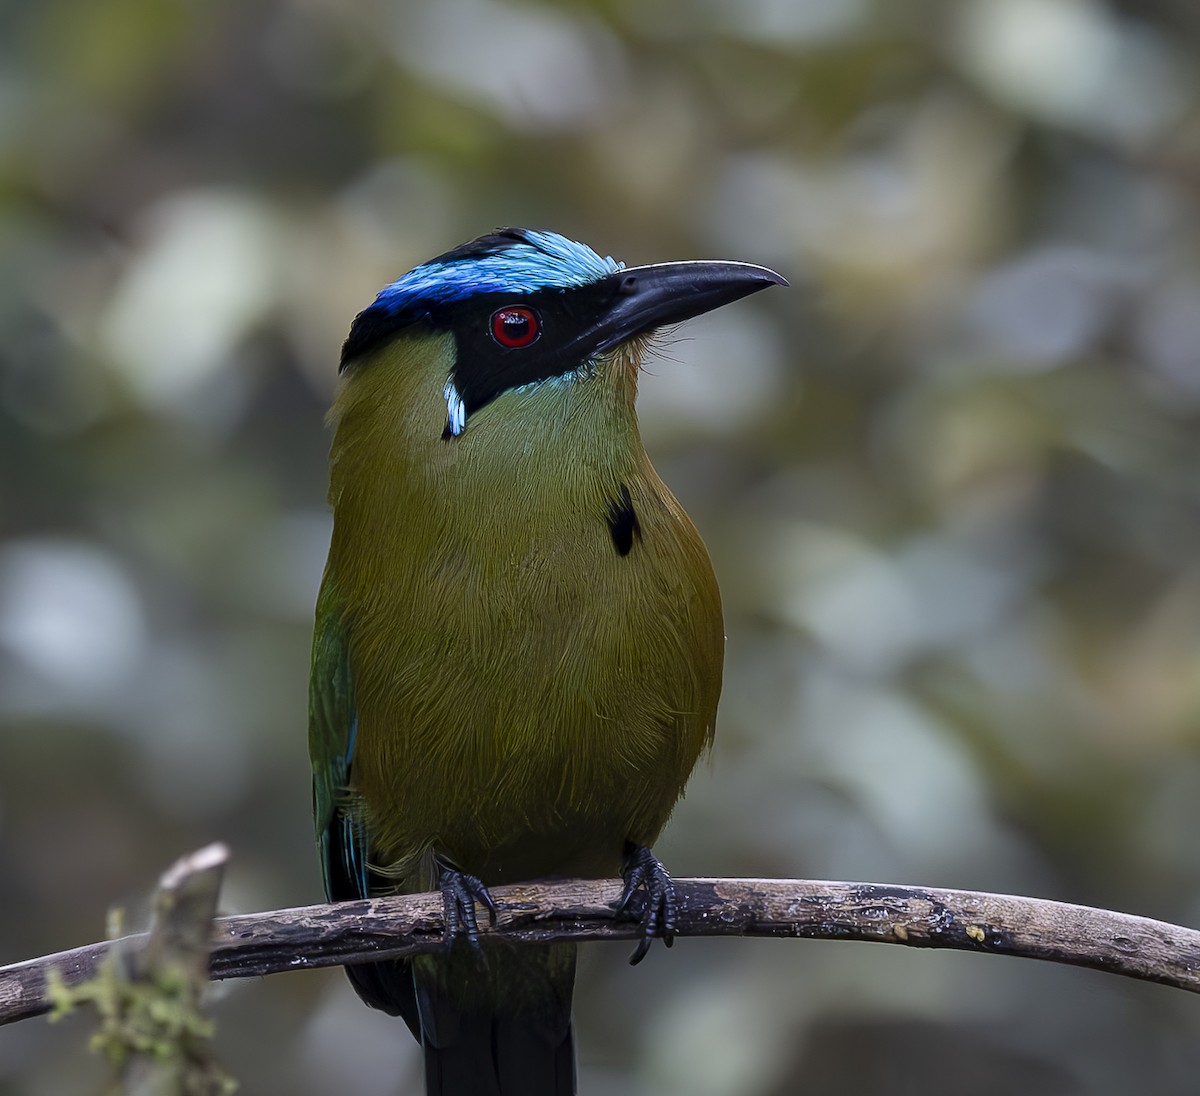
949 481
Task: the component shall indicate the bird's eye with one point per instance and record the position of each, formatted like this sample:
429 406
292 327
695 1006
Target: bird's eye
515 327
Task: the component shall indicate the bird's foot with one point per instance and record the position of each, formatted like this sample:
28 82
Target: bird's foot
460 892
647 879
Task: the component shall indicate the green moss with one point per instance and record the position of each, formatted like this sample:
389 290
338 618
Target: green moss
151 1024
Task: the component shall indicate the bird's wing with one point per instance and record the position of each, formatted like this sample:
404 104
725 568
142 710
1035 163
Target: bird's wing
341 834
332 723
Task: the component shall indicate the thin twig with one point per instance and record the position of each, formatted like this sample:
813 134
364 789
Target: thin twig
329 935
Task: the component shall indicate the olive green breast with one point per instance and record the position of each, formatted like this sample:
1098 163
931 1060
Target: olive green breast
531 692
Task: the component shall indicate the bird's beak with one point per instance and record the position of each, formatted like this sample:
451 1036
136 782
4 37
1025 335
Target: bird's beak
646 297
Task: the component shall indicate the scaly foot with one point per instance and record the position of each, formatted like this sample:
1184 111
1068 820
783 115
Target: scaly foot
644 873
460 892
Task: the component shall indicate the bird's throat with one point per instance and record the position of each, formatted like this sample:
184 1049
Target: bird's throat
537 460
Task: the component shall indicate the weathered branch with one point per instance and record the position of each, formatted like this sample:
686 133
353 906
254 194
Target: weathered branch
318 936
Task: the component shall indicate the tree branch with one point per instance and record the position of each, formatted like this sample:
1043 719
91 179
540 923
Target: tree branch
924 917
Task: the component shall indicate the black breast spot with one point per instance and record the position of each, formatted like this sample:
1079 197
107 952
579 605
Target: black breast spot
623 522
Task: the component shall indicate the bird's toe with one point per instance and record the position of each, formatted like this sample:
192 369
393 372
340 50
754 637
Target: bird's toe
460 891
649 895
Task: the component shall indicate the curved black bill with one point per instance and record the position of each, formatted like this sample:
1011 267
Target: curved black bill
646 297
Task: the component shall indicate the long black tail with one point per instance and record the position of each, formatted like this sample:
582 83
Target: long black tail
481 1055
501 1028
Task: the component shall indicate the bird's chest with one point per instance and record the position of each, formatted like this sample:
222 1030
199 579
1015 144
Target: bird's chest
529 697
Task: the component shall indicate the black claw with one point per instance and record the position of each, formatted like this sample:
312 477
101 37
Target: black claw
460 892
648 887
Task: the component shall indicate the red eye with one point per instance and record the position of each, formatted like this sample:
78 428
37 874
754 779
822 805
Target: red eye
515 327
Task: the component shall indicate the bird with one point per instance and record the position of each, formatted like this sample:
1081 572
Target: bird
518 646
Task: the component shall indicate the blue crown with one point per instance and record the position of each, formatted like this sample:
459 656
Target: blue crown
509 261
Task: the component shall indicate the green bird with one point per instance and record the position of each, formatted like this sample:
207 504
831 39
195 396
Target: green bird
519 643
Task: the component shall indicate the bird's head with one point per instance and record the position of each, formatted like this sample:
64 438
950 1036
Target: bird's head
518 309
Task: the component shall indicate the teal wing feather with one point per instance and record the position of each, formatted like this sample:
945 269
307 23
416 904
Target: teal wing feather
332 727
341 834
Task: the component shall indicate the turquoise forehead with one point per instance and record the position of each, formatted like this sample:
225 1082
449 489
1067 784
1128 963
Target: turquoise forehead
543 260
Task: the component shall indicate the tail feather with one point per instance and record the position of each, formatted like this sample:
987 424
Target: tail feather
514 1039
388 986
501 1056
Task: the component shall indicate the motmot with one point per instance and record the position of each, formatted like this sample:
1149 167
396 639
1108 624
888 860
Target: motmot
519 639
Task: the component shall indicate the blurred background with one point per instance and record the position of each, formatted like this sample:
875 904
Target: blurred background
948 480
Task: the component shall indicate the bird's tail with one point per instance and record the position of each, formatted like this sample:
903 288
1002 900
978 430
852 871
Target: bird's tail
486 1055
490 1024
497 1022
